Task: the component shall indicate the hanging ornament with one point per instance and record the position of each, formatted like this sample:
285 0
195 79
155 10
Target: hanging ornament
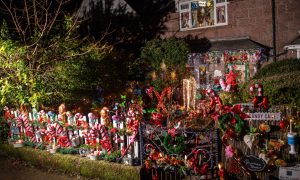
282 124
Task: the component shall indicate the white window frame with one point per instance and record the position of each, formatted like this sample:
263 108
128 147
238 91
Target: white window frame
190 14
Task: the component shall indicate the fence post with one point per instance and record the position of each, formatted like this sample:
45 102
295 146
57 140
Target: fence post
141 143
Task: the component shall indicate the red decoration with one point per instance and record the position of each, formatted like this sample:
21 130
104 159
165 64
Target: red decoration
231 80
160 97
157 118
63 141
282 124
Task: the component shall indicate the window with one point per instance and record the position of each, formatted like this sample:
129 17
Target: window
202 14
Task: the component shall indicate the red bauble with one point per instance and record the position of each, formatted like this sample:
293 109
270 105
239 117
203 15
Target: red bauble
282 124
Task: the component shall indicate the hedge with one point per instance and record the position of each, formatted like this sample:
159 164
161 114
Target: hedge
281 83
73 164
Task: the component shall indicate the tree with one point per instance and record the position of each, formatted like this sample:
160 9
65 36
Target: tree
129 25
35 52
166 59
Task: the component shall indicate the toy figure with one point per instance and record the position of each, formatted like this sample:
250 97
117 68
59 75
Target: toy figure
104 117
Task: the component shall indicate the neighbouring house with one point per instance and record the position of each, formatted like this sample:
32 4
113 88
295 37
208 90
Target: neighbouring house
294 46
240 34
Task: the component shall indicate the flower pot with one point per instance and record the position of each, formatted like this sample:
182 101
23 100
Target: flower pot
84 152
93 157
18 145
52 151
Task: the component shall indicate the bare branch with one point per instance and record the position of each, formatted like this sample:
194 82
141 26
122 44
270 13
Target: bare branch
15 21
55 16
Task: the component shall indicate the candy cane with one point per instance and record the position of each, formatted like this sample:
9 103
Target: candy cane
28 128
99 128
222 84
19 121
57 130
258 87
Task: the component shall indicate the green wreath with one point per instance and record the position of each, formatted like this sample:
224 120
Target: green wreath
225 122
177 147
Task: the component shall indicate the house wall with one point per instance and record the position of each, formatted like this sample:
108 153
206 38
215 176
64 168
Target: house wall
251 18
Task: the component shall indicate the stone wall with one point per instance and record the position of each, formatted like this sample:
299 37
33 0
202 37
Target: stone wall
251 18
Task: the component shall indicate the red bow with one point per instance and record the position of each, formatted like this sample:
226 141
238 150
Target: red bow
236 109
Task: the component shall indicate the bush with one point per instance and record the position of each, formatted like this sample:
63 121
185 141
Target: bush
73 164
280 82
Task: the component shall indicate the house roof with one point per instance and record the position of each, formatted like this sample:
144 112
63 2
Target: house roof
202 45
235 44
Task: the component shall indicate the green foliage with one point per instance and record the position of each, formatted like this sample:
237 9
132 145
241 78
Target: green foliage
112 156
73 164
4 130
173 53
280 82
70 150
49 70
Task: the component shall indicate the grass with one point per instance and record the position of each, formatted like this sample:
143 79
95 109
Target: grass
73 164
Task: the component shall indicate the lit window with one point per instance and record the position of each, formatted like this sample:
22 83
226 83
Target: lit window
202 14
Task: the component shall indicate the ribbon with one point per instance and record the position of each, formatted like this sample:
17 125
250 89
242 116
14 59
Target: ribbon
160 97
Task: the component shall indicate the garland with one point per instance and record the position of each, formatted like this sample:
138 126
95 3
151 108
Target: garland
179 142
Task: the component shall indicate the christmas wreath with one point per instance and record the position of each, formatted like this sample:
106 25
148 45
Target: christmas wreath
174 145
229 122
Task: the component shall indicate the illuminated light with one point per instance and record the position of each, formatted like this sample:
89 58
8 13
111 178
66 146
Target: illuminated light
163 66
189 93
153 75
173 75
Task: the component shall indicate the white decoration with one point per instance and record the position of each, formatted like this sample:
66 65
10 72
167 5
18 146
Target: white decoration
250 140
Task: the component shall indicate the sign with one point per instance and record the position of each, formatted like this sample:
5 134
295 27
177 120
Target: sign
264 116
254 163
289 173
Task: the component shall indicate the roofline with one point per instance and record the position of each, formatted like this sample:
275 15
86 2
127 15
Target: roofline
230 38
288 47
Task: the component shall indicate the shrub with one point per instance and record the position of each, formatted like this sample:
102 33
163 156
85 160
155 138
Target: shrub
280 82
73 164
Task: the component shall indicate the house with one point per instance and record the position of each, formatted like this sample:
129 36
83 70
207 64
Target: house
242 34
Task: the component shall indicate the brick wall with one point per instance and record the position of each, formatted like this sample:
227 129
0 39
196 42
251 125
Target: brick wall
251 18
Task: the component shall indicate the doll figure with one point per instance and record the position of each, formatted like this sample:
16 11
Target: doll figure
62 113
104 116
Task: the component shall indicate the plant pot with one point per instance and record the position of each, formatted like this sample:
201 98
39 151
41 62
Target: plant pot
18 145
93 157
52 151
84 152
